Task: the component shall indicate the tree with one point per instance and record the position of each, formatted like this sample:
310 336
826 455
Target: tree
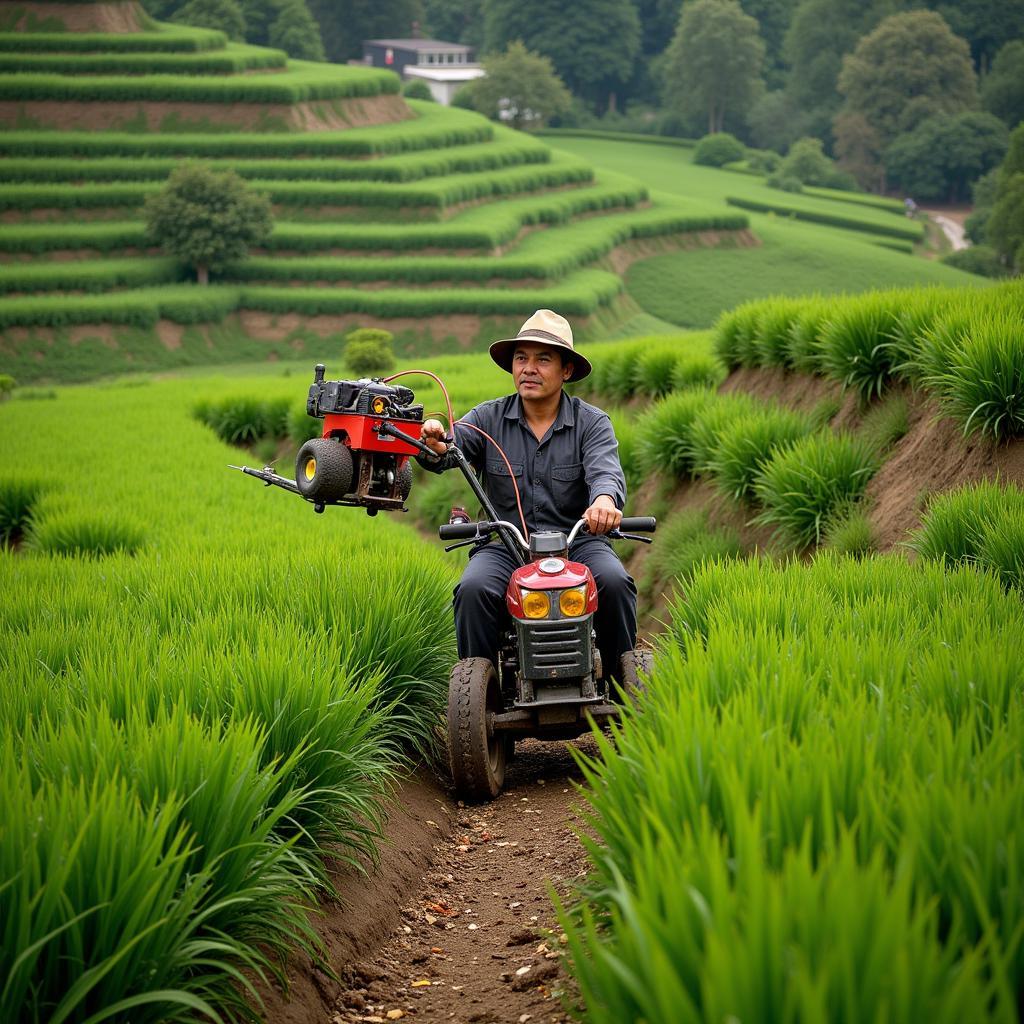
943 155
207 218
908 69
521 88
773 18
224 15
775 121
859 150
455 21
344 24
1002 89
296 32
592 43
714 61
1005 230
987 25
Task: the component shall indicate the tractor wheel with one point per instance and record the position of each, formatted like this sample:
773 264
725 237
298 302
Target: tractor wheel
631 665
405 480
477 760
323 470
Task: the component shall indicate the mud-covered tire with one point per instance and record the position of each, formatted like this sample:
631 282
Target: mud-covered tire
323 470
632 665
405 480
477 761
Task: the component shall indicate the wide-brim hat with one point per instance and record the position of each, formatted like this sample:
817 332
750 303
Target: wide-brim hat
543 328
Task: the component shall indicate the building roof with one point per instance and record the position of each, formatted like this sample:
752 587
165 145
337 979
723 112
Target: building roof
453 73
419 45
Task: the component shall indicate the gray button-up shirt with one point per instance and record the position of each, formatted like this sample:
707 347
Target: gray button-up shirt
559 476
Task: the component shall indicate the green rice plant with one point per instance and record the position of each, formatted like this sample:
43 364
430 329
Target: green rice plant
854 343
982 379
624 426
954 522
802 486
662 432
734 334
1001 545
169 39
707 427
872 225
686 542
697 370
803 347
744 444
774 324
885 423
301 427
654 369
244 419
851 532
70 532
18 498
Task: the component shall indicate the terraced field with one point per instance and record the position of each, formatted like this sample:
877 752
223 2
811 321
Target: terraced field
407 213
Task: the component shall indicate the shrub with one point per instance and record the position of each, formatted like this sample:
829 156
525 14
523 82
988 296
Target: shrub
977 259
785 182
368 352
746 443
7 385
803 486
763 161
417 89
662 433
718 149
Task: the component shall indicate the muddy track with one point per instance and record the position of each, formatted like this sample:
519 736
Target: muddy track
456 922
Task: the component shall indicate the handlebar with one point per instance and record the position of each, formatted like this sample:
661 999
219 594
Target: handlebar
472 531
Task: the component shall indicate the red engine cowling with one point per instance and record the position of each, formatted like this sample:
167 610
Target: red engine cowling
550 574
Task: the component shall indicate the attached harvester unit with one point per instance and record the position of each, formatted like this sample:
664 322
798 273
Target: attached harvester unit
362 458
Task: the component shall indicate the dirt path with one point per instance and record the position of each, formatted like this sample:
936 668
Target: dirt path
478 938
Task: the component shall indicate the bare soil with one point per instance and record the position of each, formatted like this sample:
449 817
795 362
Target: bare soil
456 924
79 17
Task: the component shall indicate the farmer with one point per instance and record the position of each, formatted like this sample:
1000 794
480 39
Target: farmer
565 459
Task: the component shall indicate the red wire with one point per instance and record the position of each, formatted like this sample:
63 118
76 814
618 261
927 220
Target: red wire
463 423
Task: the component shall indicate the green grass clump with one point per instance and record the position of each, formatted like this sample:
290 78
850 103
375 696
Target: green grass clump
662 433
818 811
1001 545
685 543
855 346
885 423
83 533
851 532
243 419
802 486
981 380
710 423
697 371
955 522
744 444
18 498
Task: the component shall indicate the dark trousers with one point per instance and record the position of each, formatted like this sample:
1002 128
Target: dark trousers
480 601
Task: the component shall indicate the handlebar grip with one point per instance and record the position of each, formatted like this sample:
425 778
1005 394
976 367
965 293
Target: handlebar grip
638 524
457 531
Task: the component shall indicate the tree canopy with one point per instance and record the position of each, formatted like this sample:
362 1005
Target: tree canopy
207 218
714 62
344 24
295 31
224 15
1002 89
593 44
521 88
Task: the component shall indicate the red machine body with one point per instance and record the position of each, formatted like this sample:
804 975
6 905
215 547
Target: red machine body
565 576
362 433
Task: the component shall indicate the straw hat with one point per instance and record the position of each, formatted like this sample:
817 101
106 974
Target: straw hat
544 328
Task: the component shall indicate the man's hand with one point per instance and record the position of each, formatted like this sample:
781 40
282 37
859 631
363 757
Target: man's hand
602 516
432 435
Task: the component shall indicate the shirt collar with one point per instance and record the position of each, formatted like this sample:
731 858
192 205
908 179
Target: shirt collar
566 416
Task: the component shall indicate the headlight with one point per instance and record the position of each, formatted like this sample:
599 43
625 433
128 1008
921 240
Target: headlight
573 603
536 604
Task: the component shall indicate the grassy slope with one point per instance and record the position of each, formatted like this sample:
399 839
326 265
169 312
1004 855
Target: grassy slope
691 288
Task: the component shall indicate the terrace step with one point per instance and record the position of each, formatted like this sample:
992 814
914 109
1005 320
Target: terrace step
231 60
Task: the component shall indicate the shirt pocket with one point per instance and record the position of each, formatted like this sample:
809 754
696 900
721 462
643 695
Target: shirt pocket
569 488
499 484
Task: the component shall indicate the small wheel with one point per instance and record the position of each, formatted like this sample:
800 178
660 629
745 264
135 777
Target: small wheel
405 480
632 665
477 760
323 470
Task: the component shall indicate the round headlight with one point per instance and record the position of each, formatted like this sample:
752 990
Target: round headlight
551 565
536 604
573 603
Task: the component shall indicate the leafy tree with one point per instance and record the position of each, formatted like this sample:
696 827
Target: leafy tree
943 155
369 352
344 24
521 88
773 18
987 25
658 20
859 149
455 21
714 61
207 218
417 89
592 43
820 33
983 195
295 31
225 15
259 16
1002 89
776 122
1005 231
909 68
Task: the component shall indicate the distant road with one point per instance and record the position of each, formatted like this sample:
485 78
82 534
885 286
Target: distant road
951 229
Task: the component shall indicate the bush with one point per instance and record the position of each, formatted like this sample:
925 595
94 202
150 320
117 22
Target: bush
7 385
977 259
785 182
763 161
718 149
802 487
417 89
368 352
